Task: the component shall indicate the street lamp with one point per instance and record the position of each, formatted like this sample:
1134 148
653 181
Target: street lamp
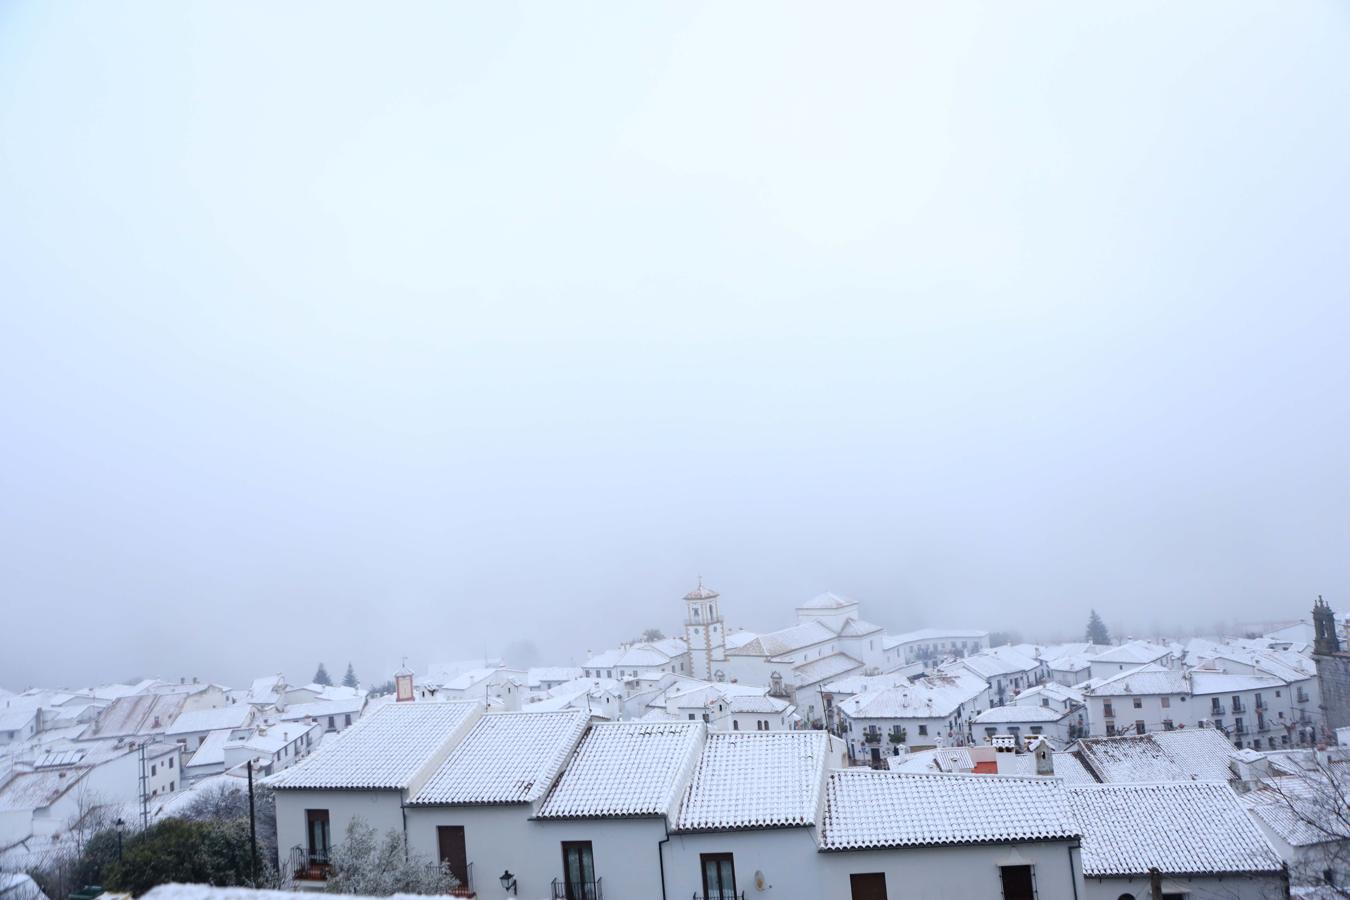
120 825
508 882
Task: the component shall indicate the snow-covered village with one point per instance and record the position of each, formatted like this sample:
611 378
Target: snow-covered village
830 757
674 450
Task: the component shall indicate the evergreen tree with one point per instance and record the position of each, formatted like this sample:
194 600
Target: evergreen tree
321 676
1096 630
349 680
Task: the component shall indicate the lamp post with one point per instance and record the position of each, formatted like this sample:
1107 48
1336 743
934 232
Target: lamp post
120 825
508 882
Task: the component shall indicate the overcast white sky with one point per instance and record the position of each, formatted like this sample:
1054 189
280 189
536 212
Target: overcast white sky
348 333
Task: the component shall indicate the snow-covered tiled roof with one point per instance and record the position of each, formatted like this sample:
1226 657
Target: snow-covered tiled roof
756 703
626 769
935 697
785 640
1071 769
27 791
319 709
235 715
858 628
1144 681
1135 652
1001 714
1190 828
383 751
636 656
507 758
824 667
1300 809
933 634
536 676
1205 681
1051 690
211 751
755 780
998 661
866 809
1190 754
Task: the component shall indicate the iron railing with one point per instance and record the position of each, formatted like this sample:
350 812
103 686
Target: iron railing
720 895
576 890
309 865
463 880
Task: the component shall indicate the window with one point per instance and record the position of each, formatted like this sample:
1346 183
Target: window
867 886
578 871
1138 702
1167 703
719 876
923 729
170 762
1018 883
152 769
735 725
691 717
171 785
1139 726
331 724
347 719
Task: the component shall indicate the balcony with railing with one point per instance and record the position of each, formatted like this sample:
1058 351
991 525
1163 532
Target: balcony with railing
1217 709
1239 706
720 895
463 878
308 865
576 890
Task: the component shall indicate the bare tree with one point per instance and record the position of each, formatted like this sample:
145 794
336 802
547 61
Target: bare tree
1305 802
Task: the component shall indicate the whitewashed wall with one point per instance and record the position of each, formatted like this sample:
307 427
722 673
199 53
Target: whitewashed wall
497 838
382 810
1268 887
952 873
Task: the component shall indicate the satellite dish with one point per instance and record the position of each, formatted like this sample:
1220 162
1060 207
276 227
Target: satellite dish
761 883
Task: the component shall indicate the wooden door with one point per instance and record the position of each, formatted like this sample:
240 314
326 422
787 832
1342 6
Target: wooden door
450 840
868 886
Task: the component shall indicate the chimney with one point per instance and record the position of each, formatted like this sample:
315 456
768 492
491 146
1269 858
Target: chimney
1045 757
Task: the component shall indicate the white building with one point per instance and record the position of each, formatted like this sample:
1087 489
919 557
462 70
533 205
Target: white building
1024 721
497 687
829 641
1130 655
1196 834
932 712
1259 710
332 716
928 644
192 728
367 773
1007 670
640 663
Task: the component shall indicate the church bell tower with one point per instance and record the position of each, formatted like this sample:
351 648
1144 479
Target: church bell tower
704 632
